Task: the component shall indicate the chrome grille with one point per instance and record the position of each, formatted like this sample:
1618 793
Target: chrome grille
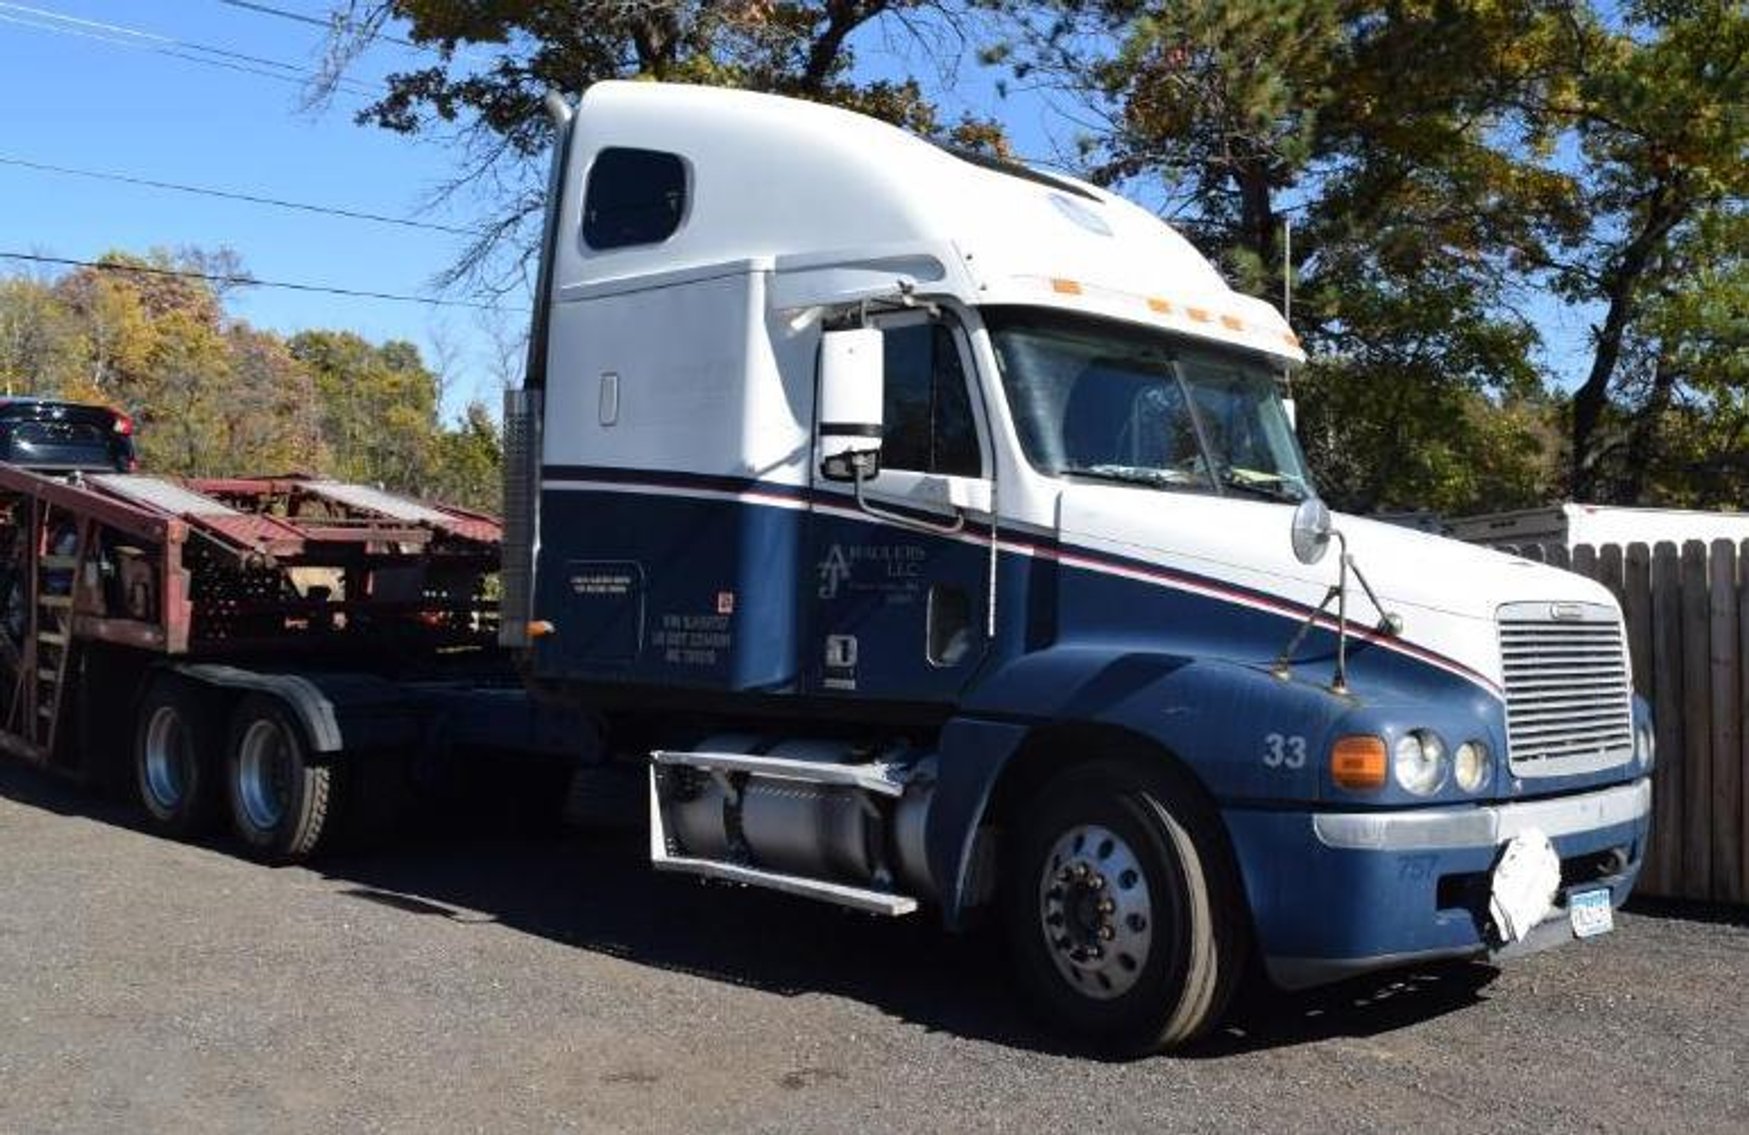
1568 690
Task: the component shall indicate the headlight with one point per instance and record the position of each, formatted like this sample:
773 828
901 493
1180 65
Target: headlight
1418 760
1645 745
1471 766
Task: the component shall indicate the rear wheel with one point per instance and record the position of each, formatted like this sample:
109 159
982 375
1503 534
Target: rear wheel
1121 909
177 741
282 806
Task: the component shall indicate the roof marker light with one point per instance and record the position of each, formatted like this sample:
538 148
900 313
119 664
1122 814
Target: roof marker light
1232 323
1159 305
1201 315
1066 287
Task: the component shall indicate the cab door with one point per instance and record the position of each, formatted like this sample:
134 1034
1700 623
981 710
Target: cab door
897 609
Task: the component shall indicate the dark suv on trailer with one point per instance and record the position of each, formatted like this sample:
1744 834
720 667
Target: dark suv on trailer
53 436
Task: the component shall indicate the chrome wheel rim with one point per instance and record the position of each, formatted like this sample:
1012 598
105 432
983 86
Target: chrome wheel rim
1095 911
264 774
169 758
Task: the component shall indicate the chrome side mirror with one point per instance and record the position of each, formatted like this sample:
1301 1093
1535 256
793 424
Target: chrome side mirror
1311 529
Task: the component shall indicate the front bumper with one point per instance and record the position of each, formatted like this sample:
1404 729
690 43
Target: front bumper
1334 894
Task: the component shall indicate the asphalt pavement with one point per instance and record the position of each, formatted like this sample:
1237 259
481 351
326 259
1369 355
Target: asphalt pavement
473 981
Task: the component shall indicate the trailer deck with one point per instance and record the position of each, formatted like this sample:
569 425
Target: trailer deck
222 570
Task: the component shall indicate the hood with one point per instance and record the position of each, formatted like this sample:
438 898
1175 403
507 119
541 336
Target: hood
1446 592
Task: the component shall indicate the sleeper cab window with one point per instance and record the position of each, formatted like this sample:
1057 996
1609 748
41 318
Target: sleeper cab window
633 197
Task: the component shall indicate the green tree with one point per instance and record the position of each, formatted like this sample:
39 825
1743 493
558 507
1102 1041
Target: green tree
378 407
1381 131
1661 116
183 396
1450 164
469 461
39 342
116 336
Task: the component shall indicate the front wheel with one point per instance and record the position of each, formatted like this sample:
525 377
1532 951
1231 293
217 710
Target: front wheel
1121 909
281 804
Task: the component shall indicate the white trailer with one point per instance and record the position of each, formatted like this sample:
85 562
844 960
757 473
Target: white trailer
1574 524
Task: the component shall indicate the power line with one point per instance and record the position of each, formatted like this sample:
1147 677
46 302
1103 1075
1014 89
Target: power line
45 19
232 195
249 281
315 21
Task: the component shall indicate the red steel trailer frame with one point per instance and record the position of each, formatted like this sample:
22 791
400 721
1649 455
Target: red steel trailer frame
161 571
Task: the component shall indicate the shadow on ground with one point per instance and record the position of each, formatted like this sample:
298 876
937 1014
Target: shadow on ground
595 891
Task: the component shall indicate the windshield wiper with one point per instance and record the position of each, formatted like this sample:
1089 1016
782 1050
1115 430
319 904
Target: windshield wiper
1266 486
1133 475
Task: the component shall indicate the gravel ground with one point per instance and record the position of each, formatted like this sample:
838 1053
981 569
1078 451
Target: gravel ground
491 984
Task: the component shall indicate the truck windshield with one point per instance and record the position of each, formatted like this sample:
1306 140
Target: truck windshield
1096 398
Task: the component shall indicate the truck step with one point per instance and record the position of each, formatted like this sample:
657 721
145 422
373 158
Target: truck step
54 600
857 898
53 563
51 638
878 777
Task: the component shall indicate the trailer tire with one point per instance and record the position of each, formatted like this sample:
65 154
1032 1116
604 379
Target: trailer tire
1120 908
178 739
282 806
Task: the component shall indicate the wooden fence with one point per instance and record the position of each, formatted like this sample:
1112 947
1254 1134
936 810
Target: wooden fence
1688 631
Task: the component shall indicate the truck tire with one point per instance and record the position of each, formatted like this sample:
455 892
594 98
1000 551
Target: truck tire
282 806
178 738
1121 910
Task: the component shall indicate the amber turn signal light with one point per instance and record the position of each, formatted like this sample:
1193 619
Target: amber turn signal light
1360 763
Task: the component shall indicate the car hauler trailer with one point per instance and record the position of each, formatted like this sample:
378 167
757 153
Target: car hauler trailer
934 536
249 641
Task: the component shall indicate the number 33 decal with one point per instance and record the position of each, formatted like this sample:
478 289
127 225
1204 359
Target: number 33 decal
1284 752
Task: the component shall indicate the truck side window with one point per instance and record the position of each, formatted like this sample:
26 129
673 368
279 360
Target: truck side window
929 422
633 197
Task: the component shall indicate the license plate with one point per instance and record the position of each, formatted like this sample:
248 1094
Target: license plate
1590 913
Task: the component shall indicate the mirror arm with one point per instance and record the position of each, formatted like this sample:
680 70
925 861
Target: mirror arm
1390 622
860 469
1283 669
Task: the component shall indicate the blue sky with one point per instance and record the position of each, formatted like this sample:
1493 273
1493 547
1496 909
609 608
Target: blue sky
91 98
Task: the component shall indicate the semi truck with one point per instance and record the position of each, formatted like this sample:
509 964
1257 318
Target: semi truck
927 536
933 531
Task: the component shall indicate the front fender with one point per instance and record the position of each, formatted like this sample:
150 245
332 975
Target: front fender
1245 735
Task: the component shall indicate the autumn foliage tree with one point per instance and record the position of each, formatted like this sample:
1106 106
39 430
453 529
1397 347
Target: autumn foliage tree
215 396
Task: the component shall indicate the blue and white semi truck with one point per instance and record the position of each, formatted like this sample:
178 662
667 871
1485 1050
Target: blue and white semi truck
936 533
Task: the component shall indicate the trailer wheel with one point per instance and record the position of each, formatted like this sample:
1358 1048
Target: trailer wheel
177 742
1120 910
281 805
